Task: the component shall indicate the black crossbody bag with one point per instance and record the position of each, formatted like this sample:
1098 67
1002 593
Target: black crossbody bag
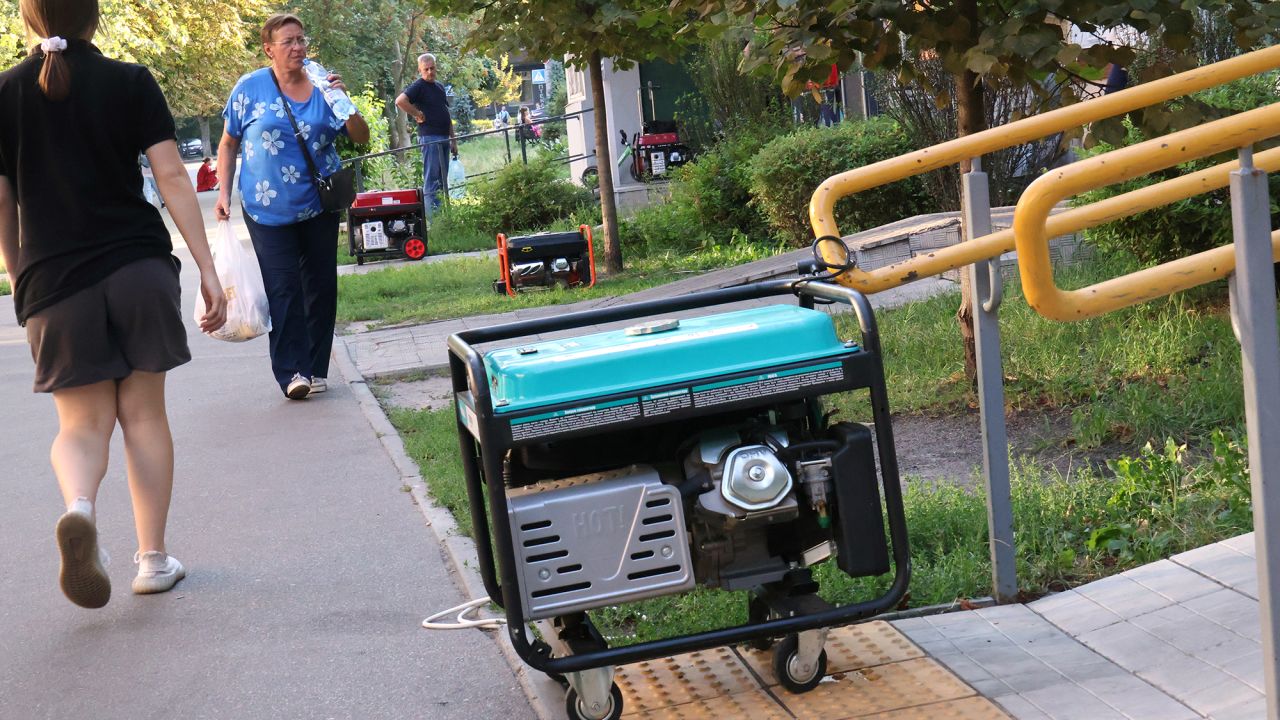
337 191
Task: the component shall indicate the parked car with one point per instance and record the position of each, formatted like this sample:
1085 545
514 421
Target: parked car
191 148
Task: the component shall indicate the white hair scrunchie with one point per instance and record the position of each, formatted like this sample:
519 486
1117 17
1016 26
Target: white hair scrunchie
53 44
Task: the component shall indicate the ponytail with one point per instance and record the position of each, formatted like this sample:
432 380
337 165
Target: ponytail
70 19
55 76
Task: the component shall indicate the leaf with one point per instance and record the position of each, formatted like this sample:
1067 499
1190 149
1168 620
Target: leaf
980 63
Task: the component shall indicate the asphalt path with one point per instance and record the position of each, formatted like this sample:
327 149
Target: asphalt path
310 566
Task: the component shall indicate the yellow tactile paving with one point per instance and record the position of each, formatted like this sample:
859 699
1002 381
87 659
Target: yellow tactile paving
754 704
682 679
848 648
876 689
970 708
874 673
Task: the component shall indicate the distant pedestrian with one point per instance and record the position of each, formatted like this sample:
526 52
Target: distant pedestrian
295 239
95 279
502 119
426 101
206 178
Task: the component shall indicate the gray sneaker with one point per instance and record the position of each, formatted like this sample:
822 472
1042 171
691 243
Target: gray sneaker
299 387
157 572
318 385
83 576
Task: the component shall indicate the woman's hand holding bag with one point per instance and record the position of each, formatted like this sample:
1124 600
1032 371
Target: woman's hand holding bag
248 314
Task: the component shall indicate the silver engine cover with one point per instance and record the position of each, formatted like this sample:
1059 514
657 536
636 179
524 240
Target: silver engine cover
586 542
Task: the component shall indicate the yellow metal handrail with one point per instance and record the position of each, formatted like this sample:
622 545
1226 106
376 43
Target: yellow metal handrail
1031 235
822 204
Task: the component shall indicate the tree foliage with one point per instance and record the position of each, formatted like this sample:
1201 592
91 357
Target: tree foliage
1021 40
195 48
496 83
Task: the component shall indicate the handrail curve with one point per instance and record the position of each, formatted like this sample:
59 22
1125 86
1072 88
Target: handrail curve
1037 201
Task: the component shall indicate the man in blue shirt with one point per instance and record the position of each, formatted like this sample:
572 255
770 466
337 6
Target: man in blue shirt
426 102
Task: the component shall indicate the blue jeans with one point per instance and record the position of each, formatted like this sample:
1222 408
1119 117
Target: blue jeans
300 271
435 168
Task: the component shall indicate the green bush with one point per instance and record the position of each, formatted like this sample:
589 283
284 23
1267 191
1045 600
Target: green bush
786 172
716 186
1199 223
523 197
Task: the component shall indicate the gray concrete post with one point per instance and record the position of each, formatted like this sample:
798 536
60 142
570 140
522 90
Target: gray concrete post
1253 309
986 283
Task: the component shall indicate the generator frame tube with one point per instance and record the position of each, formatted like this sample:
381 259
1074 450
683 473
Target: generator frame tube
482 450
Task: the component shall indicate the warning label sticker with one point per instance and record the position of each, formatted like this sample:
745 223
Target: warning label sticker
664 403
579 418
756 386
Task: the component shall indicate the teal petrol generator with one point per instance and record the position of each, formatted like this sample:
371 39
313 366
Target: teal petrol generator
606 468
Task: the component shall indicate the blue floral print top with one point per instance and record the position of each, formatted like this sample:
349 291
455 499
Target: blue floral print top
273 174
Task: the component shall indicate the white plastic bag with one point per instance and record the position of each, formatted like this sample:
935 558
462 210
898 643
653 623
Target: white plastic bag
248 314
457 179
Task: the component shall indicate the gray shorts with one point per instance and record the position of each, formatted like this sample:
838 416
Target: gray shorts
131 320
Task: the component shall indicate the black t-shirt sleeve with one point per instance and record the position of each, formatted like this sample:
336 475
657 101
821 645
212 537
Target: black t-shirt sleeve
152 122
414 91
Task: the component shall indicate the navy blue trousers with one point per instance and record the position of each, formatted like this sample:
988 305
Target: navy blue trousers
300 271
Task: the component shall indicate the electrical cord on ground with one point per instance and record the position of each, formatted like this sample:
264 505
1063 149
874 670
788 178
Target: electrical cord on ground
461 621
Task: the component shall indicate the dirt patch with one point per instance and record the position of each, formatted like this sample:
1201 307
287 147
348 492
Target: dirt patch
949 448
431 393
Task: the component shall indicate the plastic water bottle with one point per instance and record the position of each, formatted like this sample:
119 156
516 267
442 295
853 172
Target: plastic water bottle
342 106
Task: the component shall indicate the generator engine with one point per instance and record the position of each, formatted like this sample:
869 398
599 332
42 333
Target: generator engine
646 461
387 223
544 260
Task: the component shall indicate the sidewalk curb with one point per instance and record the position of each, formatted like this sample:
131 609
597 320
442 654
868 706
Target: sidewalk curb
545 696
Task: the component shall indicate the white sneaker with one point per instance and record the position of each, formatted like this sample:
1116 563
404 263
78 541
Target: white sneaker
157 572
299 387
83 576
318 385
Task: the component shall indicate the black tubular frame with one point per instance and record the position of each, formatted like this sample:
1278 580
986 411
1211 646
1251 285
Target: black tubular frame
482 465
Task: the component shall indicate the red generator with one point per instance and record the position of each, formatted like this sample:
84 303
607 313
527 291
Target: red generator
387 223
657 150
545 260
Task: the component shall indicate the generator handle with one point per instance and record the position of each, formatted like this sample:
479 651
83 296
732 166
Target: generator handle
825 290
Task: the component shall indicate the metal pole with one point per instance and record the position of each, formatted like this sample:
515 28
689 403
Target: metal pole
1253 310
987 287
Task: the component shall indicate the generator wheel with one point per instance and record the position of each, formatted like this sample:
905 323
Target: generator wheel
415 248
574 710
784 668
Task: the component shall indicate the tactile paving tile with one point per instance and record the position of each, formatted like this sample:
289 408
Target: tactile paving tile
970 708
848 648
754 704
655 684
876 689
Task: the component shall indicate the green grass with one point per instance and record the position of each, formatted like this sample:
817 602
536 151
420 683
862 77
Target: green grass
464 287
1070 530
1165 368
4 287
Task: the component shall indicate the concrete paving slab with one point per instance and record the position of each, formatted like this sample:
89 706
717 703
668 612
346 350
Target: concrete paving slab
1173 581
1225 565
1068 701
1123 596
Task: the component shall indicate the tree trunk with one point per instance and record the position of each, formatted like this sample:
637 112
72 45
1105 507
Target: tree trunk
604 165
970 118
203 122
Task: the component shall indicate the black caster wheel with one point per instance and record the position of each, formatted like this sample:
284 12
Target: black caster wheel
784 666
574 710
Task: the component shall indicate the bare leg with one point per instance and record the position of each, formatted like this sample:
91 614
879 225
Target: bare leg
86 419
148 449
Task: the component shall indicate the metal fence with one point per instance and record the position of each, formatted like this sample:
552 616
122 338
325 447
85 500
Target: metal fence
402 167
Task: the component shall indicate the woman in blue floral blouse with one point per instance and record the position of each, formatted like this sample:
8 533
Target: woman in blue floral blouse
296 241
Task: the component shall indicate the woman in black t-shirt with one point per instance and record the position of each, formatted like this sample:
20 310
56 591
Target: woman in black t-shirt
95 280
